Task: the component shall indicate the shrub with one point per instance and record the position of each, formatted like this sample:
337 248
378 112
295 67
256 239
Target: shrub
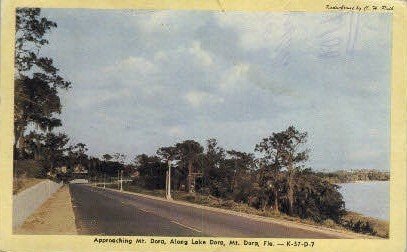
366 225
317 199
29 168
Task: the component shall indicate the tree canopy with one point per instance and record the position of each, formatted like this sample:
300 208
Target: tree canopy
37 80
275 178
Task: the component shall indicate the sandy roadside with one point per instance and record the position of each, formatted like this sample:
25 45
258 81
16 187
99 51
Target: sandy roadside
55 216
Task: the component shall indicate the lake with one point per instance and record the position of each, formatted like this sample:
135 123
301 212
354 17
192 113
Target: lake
369 198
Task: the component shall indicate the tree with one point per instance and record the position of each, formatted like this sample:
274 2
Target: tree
36 80
94 167
242 164
271 181
77 155
53 149
119 157
317 198
214 154
168 154
151 170
34 145
284 150
107 157
189 151
212 181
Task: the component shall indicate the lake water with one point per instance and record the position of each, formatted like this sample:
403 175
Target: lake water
367 198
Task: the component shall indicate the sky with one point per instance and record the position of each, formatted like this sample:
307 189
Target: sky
146 79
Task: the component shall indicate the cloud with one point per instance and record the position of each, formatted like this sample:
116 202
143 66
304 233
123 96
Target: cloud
361 155
157 21
200 98
132 63
175 131
203 57
191 53
256 30
168 23
163 76
235 77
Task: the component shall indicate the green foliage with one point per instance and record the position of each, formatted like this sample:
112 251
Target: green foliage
276 181
29 169
367 225
360 226
46 149
152 171
107 157
317 199
282 151
37 80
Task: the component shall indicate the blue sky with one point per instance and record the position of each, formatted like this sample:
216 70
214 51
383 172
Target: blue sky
145 79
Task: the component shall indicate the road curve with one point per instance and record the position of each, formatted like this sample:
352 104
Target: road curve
105 212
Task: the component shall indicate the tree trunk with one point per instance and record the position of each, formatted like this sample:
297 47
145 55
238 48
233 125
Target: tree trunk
290 193
189 180
276 201
263 204
18 141
36 152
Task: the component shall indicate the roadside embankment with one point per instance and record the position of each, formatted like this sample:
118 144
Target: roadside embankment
26 202
55 216
228 206
21 184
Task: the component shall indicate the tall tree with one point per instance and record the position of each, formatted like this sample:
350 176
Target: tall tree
242 163
152 171
53 149
271 181
212 181
77 155
37 80
214 153
107 157
189 151
168 154
284 150
34 145
119 157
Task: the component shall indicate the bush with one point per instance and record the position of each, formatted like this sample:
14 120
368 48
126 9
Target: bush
228 204
330 223
29 168
317 199
366 225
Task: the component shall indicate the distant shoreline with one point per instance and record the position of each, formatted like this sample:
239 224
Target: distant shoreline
354 176
362 181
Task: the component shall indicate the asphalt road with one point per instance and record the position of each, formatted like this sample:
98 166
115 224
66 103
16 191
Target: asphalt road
104 212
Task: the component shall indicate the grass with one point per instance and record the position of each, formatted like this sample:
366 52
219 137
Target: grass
21 184
351 221
27 173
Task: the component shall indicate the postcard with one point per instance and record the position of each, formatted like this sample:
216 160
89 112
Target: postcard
203 125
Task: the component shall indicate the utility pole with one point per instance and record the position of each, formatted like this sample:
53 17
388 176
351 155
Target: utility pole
104 180
118 179
168 182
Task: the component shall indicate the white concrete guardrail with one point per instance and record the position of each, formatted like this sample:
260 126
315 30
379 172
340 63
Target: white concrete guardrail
29 200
